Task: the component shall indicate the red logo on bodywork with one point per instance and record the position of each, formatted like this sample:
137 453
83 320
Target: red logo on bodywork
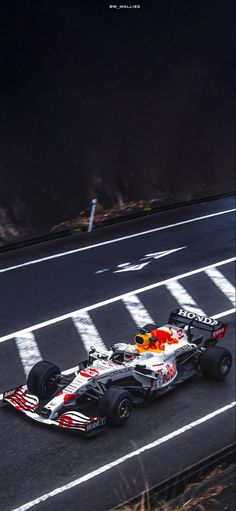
219 333
68 397
89 372
163 336
171 371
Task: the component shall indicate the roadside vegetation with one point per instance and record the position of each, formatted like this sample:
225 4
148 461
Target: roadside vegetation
200 496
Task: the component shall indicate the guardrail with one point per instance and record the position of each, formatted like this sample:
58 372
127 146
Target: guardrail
172 487
47 237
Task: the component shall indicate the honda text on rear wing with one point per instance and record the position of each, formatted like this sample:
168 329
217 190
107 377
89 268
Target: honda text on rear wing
184 317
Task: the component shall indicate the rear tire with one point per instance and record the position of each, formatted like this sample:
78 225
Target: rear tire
116 404
215 363
38 381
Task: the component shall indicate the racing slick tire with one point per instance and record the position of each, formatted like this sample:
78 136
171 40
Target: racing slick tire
116 404
38 381
215 363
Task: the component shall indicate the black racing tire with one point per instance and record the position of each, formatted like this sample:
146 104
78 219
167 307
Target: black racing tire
116 405
38 381
215 363
150 326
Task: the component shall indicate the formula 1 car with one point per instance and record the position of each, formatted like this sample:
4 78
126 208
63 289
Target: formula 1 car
106 385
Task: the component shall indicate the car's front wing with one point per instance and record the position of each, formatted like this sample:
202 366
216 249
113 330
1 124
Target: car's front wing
22 400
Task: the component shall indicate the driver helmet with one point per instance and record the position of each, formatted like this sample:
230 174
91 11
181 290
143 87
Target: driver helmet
142 341
130 353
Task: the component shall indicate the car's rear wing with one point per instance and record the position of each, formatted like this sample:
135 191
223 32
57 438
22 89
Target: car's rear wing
185 317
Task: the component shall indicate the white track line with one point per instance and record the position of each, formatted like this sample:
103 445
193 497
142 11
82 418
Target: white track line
37 326
223 314
87 331
97 472
108 242
183 298
139 314
222 283
28 351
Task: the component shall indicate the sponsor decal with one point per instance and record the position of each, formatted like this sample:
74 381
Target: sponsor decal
109 374
180 333
197 317
120 371
171 371
89 372
219 333
96 424
186 347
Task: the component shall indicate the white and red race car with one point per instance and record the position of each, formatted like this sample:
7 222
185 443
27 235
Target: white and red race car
107 384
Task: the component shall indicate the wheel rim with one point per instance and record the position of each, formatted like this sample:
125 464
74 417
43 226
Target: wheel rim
48 386
124 409
225 365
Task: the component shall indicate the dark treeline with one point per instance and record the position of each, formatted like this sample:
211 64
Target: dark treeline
120 105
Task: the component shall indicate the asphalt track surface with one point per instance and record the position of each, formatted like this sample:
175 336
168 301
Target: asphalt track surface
36 460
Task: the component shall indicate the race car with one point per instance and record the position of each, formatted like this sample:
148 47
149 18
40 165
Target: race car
105 386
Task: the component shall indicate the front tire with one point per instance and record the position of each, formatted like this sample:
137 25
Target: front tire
39 379
215 363
116 404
